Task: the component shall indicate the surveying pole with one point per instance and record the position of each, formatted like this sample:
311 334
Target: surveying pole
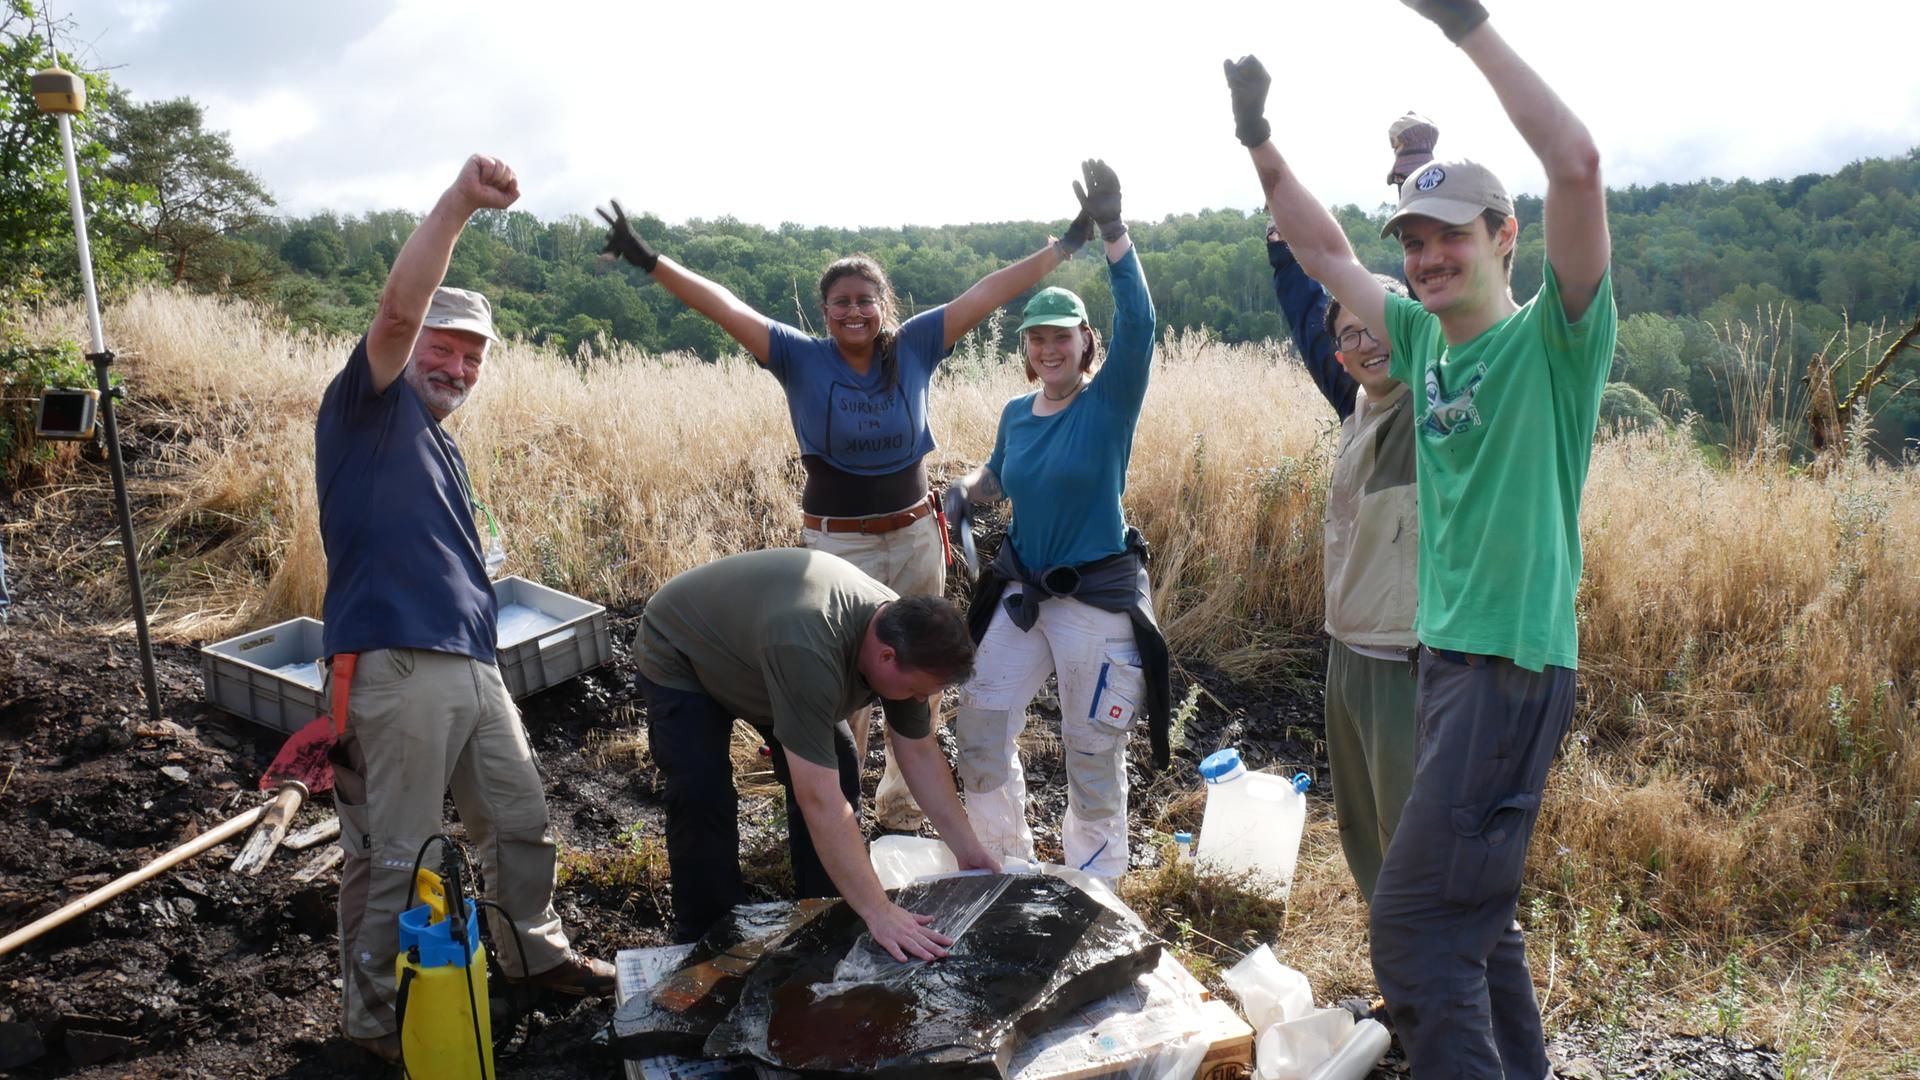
64 95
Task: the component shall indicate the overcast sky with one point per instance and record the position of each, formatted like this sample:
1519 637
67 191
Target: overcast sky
977 110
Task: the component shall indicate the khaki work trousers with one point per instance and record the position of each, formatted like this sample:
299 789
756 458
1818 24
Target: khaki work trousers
418 723
912 562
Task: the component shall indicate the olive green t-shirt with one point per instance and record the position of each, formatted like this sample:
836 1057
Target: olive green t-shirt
1504 431
774 636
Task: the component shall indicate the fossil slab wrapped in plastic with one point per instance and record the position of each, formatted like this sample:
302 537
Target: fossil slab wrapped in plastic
825 1000
678 1014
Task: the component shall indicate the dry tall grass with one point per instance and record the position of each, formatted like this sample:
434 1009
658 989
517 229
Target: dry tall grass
1735 821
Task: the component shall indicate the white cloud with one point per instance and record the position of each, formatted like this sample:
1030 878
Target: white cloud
141 16
257 126
932 113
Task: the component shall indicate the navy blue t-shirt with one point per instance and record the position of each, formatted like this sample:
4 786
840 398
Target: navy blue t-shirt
852 420
405 569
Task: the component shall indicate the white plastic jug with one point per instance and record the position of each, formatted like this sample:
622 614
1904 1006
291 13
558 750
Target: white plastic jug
1252 822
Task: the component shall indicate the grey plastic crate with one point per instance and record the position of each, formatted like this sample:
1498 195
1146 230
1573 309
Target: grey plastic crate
577 642
240 674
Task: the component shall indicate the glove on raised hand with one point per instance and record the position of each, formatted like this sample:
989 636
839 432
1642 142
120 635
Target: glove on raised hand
1455 18
1412 137
624 242
1078 233
1100 199
1248 82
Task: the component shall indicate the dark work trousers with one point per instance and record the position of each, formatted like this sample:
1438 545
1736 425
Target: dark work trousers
1447 952
690 736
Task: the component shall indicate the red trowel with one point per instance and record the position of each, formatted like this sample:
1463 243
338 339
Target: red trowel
299 771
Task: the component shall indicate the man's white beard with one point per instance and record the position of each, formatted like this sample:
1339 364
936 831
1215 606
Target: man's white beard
437 395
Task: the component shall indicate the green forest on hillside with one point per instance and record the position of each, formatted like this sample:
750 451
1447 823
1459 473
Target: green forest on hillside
1813 262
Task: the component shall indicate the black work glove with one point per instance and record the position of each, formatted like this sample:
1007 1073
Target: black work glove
1248 80
1455 18
624 242
1412 137
1077 235
1100 199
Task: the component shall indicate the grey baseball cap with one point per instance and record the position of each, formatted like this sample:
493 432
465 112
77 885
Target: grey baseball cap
461 309
1455 192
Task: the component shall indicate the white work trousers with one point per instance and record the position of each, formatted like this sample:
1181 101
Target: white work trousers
1093 655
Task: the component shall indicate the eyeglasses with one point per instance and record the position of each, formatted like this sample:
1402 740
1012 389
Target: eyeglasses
1350 339
840 305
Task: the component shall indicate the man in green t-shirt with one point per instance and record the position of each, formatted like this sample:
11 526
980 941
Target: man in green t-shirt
1506 397
793 641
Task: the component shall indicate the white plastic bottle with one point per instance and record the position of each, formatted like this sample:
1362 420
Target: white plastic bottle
1252 822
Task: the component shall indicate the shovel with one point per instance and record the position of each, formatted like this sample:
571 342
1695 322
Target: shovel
298 771
212 838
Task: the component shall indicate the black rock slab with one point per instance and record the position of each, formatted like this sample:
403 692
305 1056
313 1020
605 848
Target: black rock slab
680 1011
1028 949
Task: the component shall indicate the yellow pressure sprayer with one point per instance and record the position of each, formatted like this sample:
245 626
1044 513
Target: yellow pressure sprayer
445 1030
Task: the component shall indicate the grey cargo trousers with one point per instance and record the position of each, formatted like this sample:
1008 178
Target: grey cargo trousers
1449 957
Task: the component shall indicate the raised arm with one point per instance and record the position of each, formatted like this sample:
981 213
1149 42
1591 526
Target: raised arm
484 183
1311 231
1578 244
1122 378
1304 304
967 310
708 297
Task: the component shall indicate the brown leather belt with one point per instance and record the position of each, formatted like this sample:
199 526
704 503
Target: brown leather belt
878 523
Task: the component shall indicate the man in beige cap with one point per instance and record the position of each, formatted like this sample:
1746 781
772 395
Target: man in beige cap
410 634
1506 397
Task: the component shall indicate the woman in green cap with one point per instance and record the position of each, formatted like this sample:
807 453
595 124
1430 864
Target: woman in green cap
858 402
1067 593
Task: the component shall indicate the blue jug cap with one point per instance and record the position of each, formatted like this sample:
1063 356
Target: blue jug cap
1183 838
1301 782
437 946
1220 764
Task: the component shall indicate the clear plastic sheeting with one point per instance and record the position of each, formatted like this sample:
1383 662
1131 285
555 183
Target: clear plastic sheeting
1293 1049
902 860
1270 992
518 623
682 1006
308 673
1296 1041
1040 949
867 962
1160 1026
1356 1057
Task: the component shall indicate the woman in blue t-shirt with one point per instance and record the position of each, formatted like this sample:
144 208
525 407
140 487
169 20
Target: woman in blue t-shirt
1067 594
858 402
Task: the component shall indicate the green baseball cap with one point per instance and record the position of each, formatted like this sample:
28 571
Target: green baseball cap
1053 306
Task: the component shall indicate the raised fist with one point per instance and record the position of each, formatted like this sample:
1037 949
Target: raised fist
1248 81
486 183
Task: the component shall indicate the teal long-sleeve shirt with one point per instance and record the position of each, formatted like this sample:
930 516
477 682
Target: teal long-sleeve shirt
1066 472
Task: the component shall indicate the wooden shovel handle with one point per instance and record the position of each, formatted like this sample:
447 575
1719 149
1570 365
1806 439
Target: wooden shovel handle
214 838
272 827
